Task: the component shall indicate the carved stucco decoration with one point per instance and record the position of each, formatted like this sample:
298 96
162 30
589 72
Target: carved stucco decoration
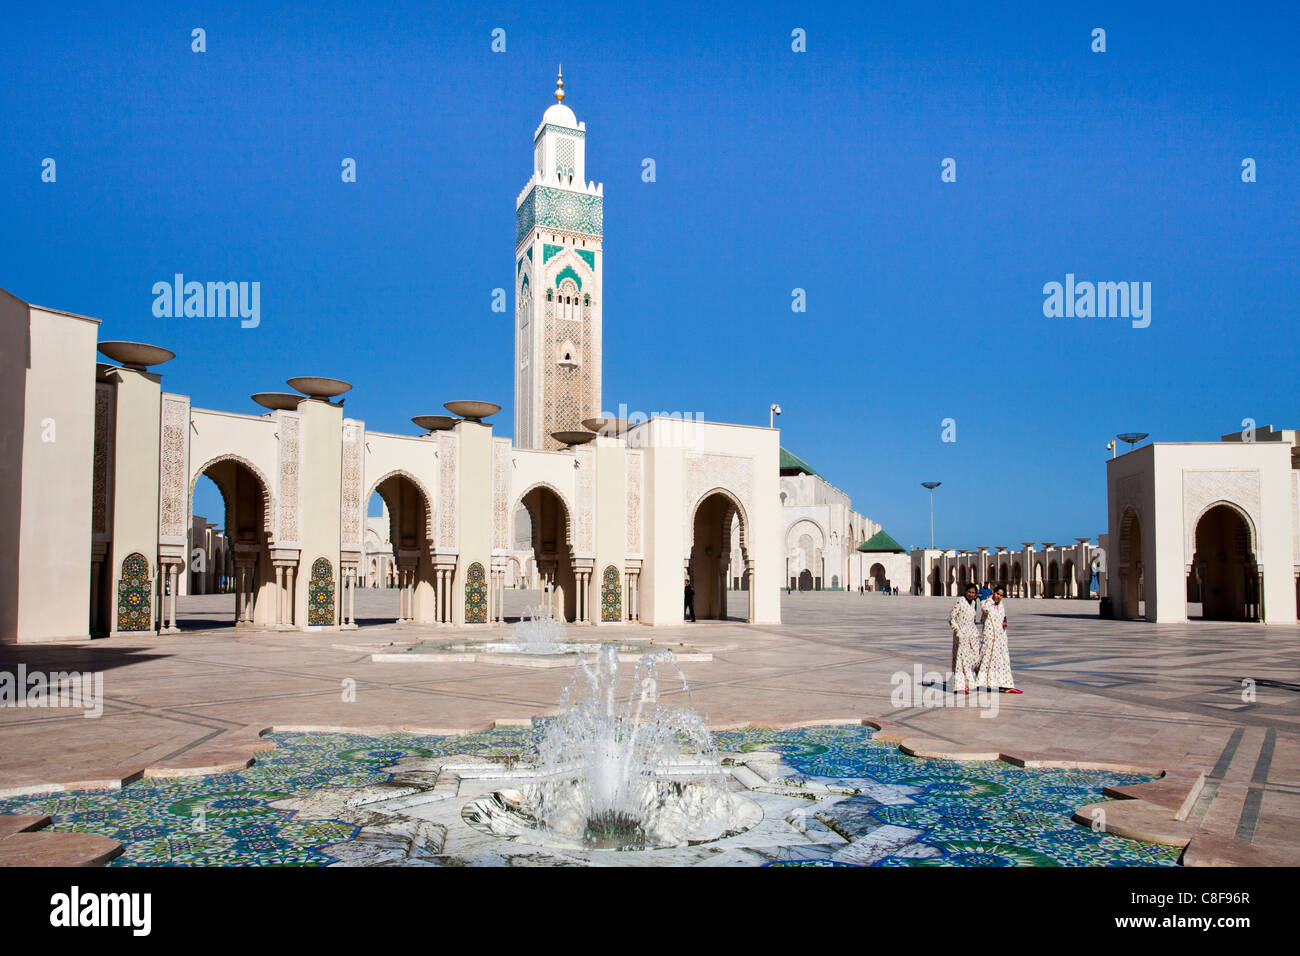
632 481
350 506
704 471
501 495
448 489
173 488
802 527
1203 488
586 494
105 435
287 487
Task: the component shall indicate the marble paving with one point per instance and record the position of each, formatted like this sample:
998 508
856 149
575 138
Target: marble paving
1219 698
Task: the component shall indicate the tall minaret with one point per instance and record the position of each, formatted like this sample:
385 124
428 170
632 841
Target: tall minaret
558 263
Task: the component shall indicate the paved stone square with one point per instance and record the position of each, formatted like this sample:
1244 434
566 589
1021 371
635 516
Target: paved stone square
1168 696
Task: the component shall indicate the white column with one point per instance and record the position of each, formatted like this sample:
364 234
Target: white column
352 598
290 597
175 587
749 574
279 594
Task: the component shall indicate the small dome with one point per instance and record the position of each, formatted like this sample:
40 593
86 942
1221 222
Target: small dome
560 115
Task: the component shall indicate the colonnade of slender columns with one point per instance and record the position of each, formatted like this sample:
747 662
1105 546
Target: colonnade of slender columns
405 593
631 595
443 580
348 602
546 572
284 596
497 596
169 580
582 584
245 588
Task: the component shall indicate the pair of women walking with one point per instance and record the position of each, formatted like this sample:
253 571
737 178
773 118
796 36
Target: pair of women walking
979 643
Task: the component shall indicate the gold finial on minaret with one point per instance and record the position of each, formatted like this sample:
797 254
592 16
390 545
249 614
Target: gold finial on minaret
559 84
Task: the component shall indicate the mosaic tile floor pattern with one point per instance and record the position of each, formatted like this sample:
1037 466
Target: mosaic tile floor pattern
976 814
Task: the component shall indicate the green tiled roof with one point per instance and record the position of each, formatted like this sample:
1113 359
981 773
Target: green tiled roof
881 542
791 462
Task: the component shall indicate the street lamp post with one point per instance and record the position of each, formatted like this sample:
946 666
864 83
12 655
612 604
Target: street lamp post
931 485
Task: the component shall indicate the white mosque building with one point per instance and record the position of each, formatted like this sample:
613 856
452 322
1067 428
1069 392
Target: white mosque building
97 525
99 464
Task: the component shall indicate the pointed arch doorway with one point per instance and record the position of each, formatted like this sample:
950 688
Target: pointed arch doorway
708 566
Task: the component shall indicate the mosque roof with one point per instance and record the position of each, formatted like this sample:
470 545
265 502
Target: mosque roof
560 115
793 464
881 542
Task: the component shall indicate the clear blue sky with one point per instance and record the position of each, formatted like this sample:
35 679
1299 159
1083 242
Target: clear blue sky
776 170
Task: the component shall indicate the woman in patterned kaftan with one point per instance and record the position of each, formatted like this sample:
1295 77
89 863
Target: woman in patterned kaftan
965 641
995 660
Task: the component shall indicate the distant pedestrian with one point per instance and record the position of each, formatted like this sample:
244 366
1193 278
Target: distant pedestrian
689 595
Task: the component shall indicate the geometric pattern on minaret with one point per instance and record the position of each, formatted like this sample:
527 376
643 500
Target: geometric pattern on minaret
558 266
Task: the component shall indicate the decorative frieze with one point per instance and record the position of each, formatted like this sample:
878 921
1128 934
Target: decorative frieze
632 484
448 489
105 436
585 539
287 493
1203 488
500 494
705 471
351 513
173 486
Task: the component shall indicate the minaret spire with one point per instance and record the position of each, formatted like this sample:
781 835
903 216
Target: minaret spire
559 84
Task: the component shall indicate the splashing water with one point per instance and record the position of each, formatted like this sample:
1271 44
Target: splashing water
537 633
626 774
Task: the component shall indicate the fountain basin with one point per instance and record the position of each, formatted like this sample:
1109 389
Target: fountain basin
515 654
669 813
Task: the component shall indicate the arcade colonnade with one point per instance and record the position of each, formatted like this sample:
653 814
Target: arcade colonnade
1052 571
627 511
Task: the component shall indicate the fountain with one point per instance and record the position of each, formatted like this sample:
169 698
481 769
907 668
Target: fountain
614 775
536 640
535 633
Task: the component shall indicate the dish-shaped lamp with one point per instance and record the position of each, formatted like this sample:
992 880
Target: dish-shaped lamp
315 387
278 401
136 355
472 411
434 423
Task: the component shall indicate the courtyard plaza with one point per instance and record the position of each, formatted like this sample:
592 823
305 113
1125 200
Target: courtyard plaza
1125 695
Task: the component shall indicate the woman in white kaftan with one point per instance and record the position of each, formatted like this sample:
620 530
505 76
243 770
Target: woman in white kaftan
995 659
964 621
